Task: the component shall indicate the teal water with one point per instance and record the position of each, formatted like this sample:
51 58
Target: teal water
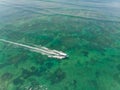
87 30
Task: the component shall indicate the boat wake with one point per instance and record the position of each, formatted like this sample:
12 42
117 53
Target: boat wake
43 50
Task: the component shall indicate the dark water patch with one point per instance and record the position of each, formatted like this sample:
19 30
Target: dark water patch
40 71
97 74
26 73
57 76
33 68
85 53
46 62
74 82
34 71
49 65
17 59
14 59
39 59
118 67
37 71
18 81
6 76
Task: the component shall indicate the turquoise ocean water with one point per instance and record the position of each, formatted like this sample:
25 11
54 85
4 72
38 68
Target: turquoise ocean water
87 30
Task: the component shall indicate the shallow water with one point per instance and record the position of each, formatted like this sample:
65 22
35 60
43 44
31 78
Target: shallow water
87 30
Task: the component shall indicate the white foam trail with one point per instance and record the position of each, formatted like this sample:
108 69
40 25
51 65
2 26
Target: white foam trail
41 49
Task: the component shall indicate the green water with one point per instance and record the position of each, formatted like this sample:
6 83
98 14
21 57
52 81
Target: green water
88 31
